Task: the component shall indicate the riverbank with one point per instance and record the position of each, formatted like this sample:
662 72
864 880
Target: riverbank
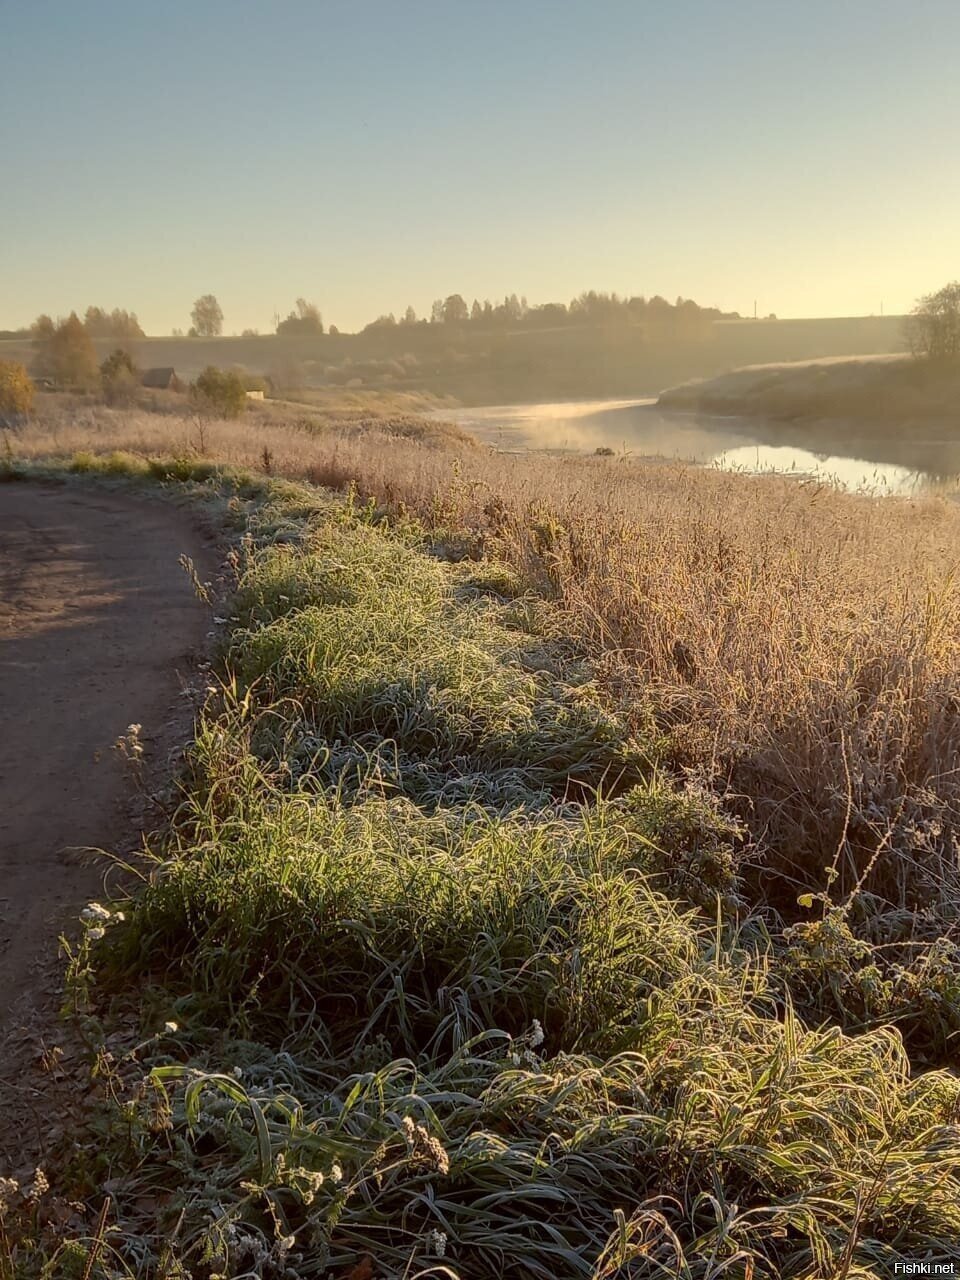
881 394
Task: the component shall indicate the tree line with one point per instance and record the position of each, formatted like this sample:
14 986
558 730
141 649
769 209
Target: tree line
591 307
933 326
305 319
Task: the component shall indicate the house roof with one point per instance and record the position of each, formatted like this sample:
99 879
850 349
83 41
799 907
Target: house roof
159 377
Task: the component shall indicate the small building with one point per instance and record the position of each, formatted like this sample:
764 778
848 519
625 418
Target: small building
164 379
254 395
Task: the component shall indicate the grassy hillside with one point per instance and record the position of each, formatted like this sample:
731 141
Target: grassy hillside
562 883
496 366
894 390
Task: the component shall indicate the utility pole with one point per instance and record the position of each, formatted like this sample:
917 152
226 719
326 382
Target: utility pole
754 308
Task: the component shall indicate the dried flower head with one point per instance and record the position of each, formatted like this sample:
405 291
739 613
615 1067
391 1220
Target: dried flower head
426 1152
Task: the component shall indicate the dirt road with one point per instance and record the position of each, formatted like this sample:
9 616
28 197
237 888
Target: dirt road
97 622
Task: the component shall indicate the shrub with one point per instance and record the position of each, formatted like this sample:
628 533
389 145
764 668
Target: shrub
220 392
16 390
120 377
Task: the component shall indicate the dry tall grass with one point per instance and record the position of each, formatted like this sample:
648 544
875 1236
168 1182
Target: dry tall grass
802 645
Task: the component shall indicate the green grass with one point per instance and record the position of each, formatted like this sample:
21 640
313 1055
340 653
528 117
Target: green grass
437 971
364 640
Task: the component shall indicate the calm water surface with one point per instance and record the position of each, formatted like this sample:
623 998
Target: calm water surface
639 428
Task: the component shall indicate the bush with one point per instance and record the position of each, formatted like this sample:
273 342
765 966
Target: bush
219 392
120 377
16 391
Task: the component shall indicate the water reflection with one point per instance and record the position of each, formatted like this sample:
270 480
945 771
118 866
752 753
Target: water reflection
884 465
844 473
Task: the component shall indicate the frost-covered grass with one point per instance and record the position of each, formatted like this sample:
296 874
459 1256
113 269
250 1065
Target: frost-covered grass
448 964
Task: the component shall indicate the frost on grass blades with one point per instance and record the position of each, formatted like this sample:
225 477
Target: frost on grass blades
444 964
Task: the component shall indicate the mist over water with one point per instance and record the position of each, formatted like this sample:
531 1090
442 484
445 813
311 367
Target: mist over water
638 428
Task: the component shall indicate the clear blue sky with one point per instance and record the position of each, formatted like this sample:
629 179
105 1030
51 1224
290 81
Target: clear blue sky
373 153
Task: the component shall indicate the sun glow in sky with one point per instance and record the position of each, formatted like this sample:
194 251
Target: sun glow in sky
370 154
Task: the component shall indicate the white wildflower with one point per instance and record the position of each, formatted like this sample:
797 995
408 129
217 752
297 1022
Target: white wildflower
171 1028
336 1173
438 1242
237 1073
536 1034
96 934
94 911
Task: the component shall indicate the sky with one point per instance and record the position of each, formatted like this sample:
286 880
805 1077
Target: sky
370 154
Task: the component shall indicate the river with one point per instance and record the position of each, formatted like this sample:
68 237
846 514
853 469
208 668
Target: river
639 428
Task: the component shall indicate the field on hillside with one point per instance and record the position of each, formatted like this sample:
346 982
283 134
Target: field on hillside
564 880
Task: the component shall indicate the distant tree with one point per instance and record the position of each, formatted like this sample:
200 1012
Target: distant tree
120 377
333 331
41 332
381 322
476 311
933 327
250 333
409 316
119 324
207 317
125 324
176 333
304 319
96 322
16 392
658 308
549 313
65 353
219 391
436 312
455 310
